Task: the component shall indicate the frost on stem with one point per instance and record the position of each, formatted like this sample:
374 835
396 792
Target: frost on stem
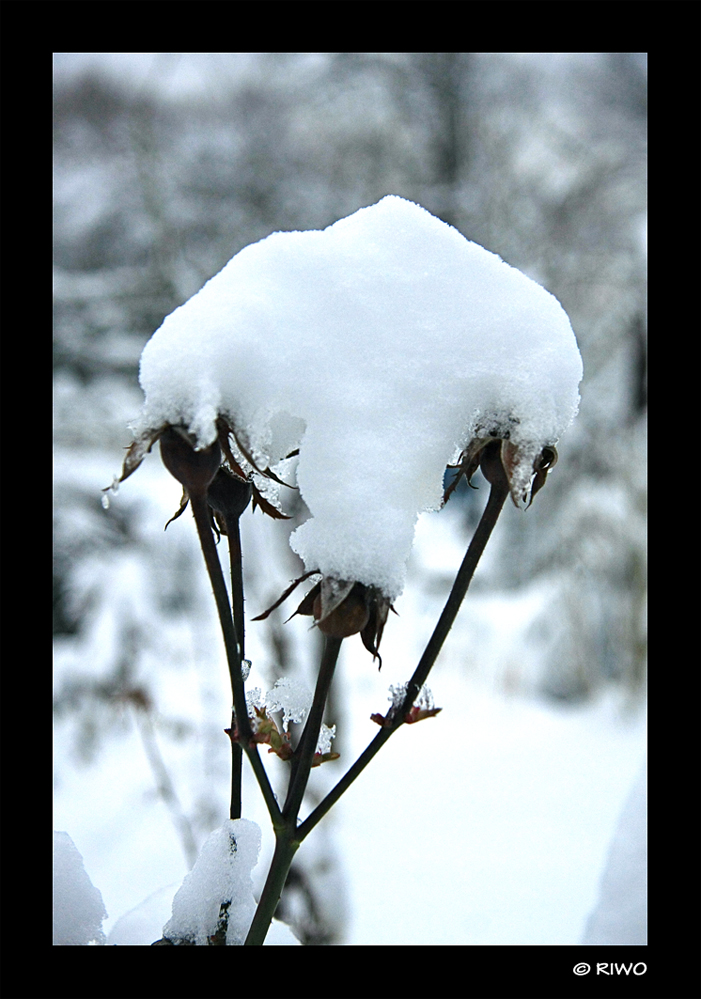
291 697
423 706
294 700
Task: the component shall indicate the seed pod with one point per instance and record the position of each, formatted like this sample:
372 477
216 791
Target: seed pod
228 495
193 469
348 618
491 463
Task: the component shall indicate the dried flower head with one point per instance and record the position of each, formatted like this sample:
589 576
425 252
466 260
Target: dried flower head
498 456
229 487
192 468
342 608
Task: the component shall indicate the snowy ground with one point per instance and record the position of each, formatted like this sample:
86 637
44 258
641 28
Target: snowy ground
488 824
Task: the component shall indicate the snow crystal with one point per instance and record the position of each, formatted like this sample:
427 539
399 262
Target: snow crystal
326 735
254 699
78 906
424 698
380 347
291 697
222 874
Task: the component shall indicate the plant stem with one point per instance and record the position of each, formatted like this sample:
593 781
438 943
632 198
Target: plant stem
497 497
243 724
304 753
221 597
235 562
286 845
395 718
287 839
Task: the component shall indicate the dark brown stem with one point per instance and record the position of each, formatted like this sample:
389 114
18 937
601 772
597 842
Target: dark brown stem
200 510
287 839
396 717
302 759
235 562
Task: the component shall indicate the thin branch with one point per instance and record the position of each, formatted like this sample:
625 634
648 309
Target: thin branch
302 759
396 717
235 562
165 785
243 724
286 845
286 838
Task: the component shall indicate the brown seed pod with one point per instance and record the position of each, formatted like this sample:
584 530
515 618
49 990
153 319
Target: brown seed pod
348 618
228 495
491 462
193 469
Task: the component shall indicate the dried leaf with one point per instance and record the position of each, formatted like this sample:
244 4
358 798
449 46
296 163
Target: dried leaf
319 758
542 465
371 635
266 506
184 500
379 719
333 593
306 608
285 595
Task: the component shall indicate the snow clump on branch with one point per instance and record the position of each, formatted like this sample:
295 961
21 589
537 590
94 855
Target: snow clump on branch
382 349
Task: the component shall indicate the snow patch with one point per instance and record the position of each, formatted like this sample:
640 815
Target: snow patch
78 906
221 875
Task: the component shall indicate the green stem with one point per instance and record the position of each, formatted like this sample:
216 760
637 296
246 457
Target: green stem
395 717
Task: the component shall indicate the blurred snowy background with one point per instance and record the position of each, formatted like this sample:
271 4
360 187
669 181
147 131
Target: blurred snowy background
491 823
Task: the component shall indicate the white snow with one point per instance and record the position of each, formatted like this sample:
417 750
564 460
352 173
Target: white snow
294 699
291 697
380 347
620 916
143 924
326 737
424 698
222 874
78 906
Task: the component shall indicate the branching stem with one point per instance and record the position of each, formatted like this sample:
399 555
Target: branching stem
288 834
396 717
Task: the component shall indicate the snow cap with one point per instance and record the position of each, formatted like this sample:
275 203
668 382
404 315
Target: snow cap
380 347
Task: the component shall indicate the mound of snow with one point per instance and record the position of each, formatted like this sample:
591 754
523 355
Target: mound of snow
379 347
